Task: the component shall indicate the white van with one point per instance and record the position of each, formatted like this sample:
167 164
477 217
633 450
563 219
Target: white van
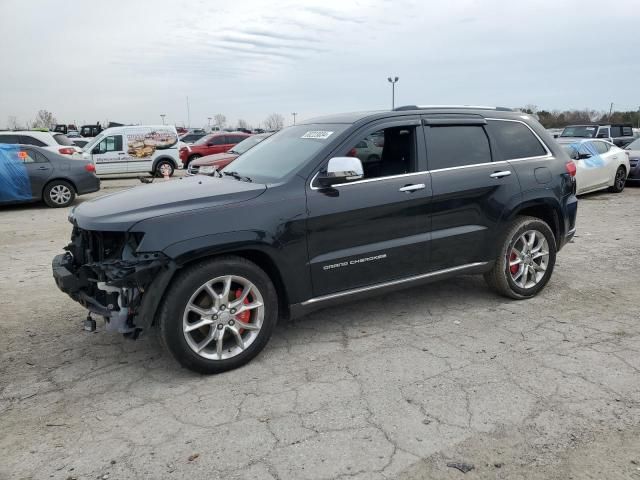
135 149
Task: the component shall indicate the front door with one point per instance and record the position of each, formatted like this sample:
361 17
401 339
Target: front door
39 170
375 229
470 191
109 155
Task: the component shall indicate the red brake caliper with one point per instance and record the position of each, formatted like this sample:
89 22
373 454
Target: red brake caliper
245 316
513 268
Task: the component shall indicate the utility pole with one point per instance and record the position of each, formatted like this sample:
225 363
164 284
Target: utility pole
294 117
209 123
393 82
188 114
162 115
610 111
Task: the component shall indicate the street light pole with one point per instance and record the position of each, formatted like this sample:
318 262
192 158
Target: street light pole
393 82
209 123
162 115
294 117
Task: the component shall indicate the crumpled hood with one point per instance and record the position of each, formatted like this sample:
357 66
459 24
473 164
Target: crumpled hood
120 211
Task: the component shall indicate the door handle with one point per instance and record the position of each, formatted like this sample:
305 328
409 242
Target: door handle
412 188
614 158
503 173
43 168
120 153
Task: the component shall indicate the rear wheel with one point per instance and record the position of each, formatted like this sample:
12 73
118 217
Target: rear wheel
164 166
619 180
219 315
58 194
526 260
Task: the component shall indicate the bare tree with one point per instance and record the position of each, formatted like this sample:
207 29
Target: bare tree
44 119
13 124
243 124
275 121
220 120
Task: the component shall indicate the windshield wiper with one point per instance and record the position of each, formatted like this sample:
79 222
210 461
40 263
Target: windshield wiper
237 176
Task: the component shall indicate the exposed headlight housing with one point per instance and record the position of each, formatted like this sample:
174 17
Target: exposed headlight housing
207 169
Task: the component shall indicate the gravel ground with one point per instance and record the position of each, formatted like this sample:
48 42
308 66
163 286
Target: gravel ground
394 387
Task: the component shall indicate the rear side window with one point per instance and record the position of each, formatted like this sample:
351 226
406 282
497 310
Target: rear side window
9 139
515 140
627 132
28 140
601 147
616 131
456 146
63 140
219 140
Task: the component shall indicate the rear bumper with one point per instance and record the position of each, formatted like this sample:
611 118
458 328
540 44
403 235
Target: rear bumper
88 184
570 213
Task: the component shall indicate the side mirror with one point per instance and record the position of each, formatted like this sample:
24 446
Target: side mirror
95 150
341 170
582 156
555 135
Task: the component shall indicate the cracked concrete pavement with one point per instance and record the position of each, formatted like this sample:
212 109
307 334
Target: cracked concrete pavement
393 387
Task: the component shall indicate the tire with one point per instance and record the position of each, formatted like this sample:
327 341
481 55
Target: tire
164 164
619 180
59 194
189 290
193 157
509 280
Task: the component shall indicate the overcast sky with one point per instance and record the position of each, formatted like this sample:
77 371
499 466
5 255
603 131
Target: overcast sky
130 61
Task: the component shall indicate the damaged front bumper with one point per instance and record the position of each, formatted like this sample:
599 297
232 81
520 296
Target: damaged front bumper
109 280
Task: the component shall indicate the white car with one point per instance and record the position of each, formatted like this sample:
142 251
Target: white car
52 141
599 165
135 149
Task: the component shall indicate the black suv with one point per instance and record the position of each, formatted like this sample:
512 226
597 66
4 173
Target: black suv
300 221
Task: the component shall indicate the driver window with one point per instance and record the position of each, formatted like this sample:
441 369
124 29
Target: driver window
386 152
111 144
603 133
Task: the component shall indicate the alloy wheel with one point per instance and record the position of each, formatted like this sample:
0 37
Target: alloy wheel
223 317
528 259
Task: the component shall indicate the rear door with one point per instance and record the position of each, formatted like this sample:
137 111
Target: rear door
376 229
471 190
39 169
109 155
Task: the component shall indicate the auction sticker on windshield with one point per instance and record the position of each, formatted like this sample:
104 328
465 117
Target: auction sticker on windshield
317 134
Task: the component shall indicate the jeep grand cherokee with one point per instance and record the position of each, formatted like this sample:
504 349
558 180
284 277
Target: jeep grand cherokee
300 222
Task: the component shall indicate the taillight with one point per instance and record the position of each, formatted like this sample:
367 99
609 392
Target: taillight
352 153
67 151
90 167
571 168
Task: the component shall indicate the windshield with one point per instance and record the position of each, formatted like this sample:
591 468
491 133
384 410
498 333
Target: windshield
245 145
635 145
283 152
582 131
62 140
89 146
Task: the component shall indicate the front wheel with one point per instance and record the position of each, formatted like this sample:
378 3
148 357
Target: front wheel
619 180
526 260
219 314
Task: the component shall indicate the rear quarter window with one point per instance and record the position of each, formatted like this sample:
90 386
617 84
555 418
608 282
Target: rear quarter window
9 139
29 140
515 140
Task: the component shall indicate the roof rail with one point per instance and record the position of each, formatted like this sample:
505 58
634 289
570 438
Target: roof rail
475 107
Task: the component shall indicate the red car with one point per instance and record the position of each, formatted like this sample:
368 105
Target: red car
218 142
206 165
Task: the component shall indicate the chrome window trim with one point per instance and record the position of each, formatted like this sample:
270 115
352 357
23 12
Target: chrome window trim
391 283
366 180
